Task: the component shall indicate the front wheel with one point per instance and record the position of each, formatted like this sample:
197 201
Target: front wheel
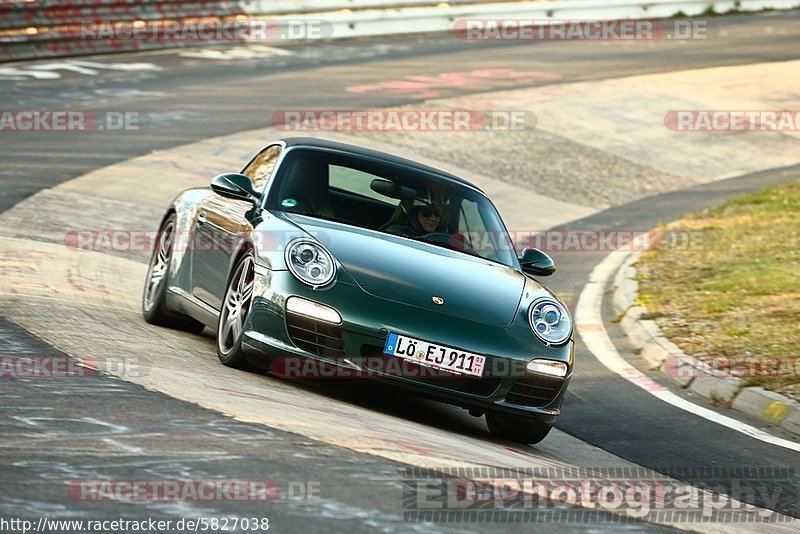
233 316
516 428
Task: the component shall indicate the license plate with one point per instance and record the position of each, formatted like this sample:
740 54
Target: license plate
433 355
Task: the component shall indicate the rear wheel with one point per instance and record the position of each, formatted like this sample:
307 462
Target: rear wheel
516 428
235 308
154 307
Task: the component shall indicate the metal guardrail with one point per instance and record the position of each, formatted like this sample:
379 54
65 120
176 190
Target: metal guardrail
20 15
54 28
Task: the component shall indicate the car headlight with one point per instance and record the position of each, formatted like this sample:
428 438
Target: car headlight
550 321
310 262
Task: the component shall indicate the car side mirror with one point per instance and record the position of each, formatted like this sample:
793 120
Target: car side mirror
534 261
391 189
236 186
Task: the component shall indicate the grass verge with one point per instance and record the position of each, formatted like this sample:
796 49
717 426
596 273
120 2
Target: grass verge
724 285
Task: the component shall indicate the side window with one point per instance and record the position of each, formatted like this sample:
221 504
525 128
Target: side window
261 167
355 181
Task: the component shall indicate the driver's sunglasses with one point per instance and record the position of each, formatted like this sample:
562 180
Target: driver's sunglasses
427 212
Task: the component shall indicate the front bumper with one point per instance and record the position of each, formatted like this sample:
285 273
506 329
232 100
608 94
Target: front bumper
356 345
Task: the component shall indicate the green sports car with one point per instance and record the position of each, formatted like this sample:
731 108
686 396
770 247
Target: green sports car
325 259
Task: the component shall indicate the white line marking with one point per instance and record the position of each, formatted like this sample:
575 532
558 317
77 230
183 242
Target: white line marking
46 71
237 52
589 322
123 446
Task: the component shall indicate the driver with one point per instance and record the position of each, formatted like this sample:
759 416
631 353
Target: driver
428 217
422 219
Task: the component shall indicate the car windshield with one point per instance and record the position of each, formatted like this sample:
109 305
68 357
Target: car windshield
390 198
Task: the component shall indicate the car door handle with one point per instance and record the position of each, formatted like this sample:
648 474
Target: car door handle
201 218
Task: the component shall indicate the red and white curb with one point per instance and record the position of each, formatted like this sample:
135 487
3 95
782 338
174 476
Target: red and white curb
687 371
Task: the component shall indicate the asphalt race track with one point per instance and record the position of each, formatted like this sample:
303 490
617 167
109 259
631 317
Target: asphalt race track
339 453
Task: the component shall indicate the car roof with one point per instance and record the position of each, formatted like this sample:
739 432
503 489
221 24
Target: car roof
313 142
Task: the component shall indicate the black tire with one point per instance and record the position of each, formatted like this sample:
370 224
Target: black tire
154 307
516 428
235 308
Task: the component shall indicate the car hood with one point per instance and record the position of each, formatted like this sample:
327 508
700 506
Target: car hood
413 273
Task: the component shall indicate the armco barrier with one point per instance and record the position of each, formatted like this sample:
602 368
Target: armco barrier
52 28
40 13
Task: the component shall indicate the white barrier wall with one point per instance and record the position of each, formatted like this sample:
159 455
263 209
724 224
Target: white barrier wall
52 28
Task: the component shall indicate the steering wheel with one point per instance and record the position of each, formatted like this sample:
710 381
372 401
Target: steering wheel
438 237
